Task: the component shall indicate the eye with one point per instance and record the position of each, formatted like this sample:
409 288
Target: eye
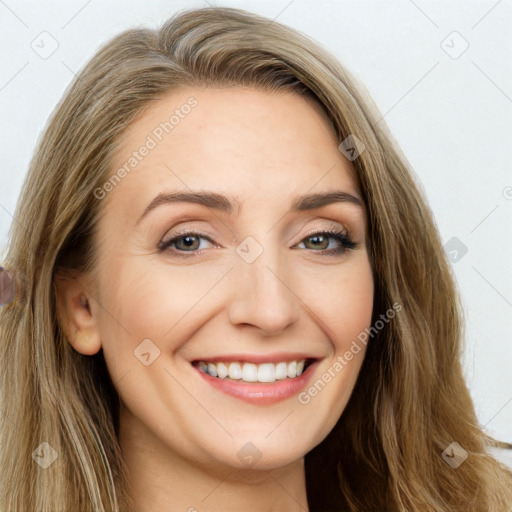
189 242
320 237
184 242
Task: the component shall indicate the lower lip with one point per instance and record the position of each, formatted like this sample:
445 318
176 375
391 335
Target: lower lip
261 393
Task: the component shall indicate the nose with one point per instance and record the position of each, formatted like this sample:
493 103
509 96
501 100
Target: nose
263 295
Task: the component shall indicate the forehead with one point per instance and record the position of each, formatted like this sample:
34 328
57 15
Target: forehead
246 143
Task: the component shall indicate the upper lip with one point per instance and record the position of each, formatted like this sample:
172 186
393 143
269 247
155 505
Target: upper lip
258 358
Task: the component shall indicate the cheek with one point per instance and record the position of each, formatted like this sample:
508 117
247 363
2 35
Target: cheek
342 302
149 301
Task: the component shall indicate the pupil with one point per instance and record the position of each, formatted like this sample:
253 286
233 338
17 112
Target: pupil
189 240
316 238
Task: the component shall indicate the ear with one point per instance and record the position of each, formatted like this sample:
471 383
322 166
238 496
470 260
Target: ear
76 317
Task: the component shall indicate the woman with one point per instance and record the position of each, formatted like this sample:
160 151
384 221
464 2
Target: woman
253 371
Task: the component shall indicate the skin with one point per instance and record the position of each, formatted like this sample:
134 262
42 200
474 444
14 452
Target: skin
179 436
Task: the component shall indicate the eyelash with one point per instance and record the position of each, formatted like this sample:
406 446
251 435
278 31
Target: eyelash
346 243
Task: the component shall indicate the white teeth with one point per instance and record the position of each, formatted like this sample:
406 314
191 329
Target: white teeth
281 371
266 372
235 372
212 369
222 370
249 372
292 369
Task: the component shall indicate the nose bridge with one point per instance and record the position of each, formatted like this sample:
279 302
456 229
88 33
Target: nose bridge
262 294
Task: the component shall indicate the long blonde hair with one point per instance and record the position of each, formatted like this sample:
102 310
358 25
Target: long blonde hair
410 401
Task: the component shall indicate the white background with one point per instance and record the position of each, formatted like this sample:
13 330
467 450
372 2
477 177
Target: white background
451 116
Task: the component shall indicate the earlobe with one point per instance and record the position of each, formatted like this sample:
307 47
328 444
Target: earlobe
85 343
76 317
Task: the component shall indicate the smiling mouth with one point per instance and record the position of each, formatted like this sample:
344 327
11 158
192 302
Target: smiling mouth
252 373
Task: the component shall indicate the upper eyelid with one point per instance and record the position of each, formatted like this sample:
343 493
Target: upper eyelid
334 225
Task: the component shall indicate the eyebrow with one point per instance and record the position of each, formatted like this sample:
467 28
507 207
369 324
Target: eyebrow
223 204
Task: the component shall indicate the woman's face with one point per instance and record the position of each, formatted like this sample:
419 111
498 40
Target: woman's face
256 280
